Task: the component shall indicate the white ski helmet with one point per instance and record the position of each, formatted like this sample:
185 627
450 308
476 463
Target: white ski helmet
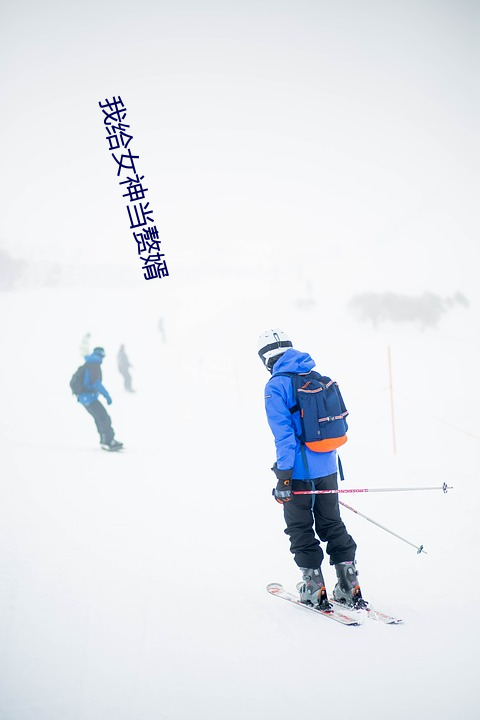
271 344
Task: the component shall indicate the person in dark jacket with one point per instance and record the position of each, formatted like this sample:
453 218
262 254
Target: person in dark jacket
124 366
309 518
93 387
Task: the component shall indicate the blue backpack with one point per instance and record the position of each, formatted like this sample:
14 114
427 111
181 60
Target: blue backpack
322 411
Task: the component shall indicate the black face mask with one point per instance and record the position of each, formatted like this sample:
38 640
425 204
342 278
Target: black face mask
271 363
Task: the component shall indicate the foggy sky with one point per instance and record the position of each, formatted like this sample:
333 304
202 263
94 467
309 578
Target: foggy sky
346 129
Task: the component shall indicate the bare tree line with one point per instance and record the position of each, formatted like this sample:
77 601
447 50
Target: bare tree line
425 309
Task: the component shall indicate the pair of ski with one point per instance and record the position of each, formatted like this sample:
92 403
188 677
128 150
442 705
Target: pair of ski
339 613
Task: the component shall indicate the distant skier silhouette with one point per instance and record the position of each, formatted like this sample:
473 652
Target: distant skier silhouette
85 345
161 329
124 368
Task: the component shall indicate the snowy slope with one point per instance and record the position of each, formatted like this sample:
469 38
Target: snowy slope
133 585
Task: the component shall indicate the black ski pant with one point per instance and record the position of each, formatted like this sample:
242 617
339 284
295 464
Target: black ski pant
102 421
309 517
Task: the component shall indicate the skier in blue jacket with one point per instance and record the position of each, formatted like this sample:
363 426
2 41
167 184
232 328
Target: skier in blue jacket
93 387
308 518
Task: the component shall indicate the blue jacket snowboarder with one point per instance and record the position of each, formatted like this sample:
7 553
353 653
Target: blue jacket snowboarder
88 397
309 518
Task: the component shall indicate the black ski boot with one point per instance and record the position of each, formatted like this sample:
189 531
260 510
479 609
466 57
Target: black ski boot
347 590
312 589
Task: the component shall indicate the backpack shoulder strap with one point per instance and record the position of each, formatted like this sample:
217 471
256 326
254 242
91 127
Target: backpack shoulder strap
293 377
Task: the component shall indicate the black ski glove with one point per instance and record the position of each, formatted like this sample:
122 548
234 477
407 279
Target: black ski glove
283 492
282 474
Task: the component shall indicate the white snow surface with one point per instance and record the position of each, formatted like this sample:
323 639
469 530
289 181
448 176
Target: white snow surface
133 584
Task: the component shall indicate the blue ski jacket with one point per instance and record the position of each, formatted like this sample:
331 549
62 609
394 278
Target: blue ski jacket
285 426
93 381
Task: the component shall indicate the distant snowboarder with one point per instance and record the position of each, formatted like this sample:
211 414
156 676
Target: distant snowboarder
87 385
124 368
85 345
307 466
161 329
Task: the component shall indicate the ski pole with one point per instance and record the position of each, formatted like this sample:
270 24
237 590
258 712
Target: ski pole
419 548
443 487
